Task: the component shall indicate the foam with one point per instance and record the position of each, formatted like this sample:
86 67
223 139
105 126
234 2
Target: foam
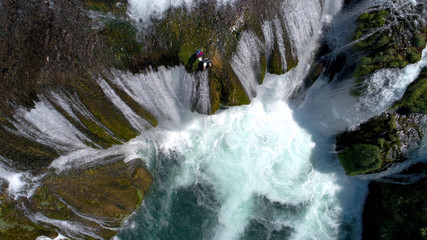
59 237
252 151
146 9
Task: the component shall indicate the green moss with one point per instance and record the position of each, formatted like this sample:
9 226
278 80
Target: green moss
214 93
386 48
420 41
98 131
120 37
275 63
107 6
105 191
89 128
187 57
94 99
363 17
15 225
50 205
414 57
415 97
360 159
363 69
383 41
231 92
26 154
263 64
381 132
394 211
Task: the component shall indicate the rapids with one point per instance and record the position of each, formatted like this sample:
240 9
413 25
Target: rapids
249 172
267 170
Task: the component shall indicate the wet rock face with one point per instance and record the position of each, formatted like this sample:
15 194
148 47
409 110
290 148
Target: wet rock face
95 199
393 136
41 44
396 133
13 222
411 131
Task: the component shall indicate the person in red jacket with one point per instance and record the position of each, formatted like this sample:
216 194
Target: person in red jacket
199 54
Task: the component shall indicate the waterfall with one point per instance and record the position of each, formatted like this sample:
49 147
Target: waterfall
326 103
146 9
266 170
250 172
169 94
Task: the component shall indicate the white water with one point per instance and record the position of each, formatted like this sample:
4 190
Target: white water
169 94
146 9
269 163
59 237
247 153
332 102
17 181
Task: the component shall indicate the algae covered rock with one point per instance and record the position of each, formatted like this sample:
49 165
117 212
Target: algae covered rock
393 135
114 190
14 224
415 98
396 211
98 198
379 142
275 63
384 39
370 146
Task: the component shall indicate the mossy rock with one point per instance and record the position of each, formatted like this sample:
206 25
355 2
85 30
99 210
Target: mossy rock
50 205
116 7
392 47
188 57
231 92
108 191
120 38
114 128
15 225
360 159
371 146
263 68
415 98
26 154
275 65
395 211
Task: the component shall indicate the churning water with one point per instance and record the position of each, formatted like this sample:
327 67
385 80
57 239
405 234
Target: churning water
250 172
267 170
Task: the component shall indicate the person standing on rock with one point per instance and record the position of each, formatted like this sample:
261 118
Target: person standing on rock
199 54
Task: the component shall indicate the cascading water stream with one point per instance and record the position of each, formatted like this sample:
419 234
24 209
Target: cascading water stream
248 172
263 171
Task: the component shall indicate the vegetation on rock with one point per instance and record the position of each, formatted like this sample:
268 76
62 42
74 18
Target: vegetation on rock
371 146
120 38
108 193
14 224
396 211
360 158
393 133
415 98
117 7
386 42
275 65
112 190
